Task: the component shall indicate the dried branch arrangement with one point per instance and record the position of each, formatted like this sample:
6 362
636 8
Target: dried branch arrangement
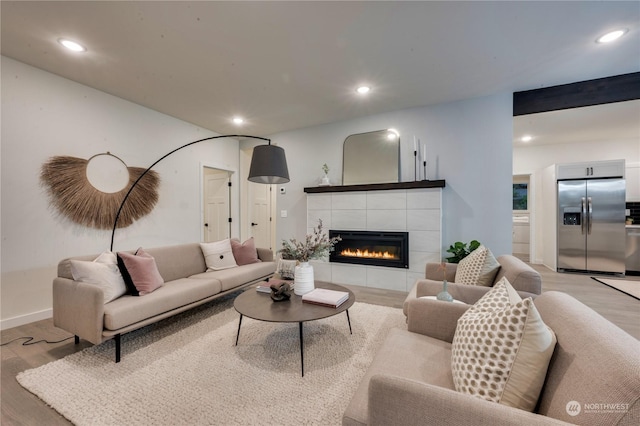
71 193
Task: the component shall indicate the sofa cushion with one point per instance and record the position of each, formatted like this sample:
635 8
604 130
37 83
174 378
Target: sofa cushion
141 269
397 357
244 253
218 255
595 362
501 353
102 272
234 277
478 268
179 261
128 309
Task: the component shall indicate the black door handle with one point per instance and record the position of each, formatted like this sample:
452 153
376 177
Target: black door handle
206 224
254 224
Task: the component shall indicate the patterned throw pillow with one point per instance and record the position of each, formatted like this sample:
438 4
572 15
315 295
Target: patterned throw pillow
501 296
478 268
501 349
218 255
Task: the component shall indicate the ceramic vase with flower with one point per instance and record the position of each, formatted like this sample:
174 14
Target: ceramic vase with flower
315 246
444 294
303 279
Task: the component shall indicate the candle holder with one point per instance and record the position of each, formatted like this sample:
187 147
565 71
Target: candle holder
415 165
424 165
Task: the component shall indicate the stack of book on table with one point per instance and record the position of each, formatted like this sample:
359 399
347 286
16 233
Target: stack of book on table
265 286
326 297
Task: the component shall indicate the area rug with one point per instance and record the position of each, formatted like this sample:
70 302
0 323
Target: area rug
188 371
632 288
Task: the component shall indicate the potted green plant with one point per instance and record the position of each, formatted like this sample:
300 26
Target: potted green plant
325 180
459 250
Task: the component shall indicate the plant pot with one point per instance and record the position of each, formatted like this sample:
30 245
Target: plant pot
303 281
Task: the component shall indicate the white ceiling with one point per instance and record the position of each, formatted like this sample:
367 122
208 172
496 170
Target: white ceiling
287 65
600 123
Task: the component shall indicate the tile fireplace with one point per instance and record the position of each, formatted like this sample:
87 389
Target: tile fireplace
374 248
413 209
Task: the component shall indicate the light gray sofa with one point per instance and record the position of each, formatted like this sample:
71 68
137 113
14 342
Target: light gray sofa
522 277
79 308
595 368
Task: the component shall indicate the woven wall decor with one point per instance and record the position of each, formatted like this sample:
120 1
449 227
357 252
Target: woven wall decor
71 193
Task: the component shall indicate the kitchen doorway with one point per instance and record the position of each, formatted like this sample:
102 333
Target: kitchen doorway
522 217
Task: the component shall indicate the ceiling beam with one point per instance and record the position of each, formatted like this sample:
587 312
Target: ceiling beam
619 88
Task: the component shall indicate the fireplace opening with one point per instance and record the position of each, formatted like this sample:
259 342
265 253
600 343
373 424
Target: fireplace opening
375 248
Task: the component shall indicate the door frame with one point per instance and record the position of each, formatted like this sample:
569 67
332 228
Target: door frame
234 197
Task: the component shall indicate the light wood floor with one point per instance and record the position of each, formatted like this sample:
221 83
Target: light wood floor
20 407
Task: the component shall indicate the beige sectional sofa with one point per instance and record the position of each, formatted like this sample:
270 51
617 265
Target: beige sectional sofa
593 377
79 308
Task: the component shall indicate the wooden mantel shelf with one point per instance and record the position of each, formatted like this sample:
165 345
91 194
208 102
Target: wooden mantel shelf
377 186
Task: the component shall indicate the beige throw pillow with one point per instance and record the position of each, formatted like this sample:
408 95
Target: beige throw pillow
501 349
218 255
478 268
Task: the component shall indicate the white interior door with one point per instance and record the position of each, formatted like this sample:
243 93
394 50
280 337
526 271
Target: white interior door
217 209
260 214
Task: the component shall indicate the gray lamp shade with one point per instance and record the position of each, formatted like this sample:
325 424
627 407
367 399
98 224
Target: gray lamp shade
268 165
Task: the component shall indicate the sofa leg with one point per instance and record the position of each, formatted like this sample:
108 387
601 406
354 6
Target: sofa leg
76 339
118 345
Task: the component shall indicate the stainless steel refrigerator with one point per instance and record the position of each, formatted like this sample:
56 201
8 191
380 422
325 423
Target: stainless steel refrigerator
591 225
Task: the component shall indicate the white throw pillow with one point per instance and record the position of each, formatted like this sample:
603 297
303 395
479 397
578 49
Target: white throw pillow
218 255
478 268
102 272
501 349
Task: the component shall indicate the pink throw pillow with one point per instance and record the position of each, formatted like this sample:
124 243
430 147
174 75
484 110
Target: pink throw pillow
143 271
244 253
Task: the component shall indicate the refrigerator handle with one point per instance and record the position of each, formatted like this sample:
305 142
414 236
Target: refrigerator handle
590 208
583 213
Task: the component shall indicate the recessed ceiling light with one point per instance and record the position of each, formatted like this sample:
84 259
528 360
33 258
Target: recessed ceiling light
526 138
238 120
72 45
363 89
611 36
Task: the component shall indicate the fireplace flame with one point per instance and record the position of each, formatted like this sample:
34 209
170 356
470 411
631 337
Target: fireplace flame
368 254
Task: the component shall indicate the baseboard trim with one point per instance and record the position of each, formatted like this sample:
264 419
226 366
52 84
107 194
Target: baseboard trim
25 319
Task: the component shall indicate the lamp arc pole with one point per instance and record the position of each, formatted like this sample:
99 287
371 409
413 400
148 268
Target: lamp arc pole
124 200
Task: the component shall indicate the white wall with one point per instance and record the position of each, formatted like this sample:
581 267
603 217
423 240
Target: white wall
44 115
534 160
468 145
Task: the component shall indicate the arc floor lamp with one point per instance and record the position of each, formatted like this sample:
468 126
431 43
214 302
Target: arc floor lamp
268 166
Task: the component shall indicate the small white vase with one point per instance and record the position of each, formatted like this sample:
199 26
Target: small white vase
325 181
303 281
